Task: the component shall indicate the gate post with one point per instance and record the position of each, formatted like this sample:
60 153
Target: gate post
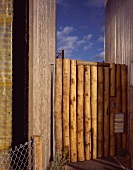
37 152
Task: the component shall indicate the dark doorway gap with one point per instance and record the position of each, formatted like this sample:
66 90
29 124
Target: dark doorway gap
20 72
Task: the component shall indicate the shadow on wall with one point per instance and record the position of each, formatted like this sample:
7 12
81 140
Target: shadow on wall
20 73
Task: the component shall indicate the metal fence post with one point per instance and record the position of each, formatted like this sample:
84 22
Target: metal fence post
52 110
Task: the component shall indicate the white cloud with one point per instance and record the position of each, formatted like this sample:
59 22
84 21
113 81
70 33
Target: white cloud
85 39
100 49
95 3
100 56
80 42
64 32
101 39
67 41
87 47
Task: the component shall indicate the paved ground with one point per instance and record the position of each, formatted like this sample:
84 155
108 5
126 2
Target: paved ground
98 164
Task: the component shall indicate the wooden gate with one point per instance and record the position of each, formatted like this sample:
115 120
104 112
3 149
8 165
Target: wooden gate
87 95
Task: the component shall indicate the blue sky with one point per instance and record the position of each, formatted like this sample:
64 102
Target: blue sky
80 29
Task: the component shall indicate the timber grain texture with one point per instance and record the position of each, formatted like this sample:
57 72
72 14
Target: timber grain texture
100 112
80 111
66 92
73 120
94 109
89 96
87 113
58 107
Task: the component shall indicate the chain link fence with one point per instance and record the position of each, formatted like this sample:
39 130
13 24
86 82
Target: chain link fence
20 158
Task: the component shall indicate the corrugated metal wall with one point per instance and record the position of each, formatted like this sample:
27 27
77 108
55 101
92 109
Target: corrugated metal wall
6 15
119 47
42 53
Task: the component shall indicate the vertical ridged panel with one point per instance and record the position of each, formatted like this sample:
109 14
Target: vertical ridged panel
121 15
41 55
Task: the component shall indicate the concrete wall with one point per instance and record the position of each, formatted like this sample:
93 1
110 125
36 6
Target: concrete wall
42 29
119 47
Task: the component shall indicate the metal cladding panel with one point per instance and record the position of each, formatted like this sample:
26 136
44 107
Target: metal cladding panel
6 17
119 47
105 2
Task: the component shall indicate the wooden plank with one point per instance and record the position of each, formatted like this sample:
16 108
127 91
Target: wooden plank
94 109
58 107
89 63
106 112
80 130
112 109
124 104
38 151
112 79
66 91
100 112
87 114
107 37
73 138
118 103
112 135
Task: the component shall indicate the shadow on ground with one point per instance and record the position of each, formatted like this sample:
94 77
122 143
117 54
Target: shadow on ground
97 164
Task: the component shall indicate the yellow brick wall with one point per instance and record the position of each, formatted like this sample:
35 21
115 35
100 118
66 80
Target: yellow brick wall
6 17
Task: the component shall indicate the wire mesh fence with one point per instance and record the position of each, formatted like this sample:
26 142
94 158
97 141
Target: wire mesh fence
20 158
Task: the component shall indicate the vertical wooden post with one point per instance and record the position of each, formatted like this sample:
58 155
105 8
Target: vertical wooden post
73 135
38 151
58 107
94 109
62 54
80 129
100 112
112 79
124 104
118 102
112 109
66 92
106 112
87 114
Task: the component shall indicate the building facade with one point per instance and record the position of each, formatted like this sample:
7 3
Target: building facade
6 18
42 50
119 48
27 57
